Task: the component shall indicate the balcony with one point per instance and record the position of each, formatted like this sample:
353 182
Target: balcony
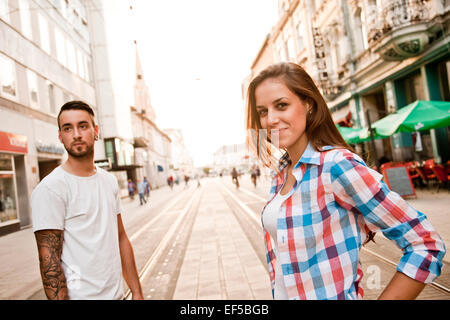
402 29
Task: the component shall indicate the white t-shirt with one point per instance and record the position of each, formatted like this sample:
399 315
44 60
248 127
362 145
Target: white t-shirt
270 221
86 208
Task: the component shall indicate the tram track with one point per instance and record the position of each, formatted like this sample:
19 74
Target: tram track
437 285
171 236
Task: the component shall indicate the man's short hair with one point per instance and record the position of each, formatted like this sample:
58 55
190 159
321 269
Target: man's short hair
76 105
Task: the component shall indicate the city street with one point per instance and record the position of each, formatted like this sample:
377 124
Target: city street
206 243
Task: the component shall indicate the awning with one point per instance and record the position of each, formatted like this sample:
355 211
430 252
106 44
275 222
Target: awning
418 116
352 135
15 143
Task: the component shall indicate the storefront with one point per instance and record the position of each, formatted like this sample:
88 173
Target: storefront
13 148
121 156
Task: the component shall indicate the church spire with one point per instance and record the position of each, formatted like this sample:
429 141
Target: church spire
139 71
141 92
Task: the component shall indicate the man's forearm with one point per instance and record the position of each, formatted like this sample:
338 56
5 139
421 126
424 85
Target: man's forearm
53 279
129 269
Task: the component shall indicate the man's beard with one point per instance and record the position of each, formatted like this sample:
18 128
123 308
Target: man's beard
80 155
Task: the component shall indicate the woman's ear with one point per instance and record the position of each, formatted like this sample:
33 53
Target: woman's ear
309 103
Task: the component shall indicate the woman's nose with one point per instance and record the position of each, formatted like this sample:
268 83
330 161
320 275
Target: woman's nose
272 118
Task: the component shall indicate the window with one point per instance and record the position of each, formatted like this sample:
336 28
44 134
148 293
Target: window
364 30
290 49
360 30
60 42
33 89
80 62
71 56
8 210
44 33
51 97
87 68
7 77
4 10
301 44
25 18
281 52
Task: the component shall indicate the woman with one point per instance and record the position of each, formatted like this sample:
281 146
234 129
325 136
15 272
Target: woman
325 203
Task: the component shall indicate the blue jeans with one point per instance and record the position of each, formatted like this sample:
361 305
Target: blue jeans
142 198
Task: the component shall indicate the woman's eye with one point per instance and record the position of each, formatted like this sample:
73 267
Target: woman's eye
281 105
262 112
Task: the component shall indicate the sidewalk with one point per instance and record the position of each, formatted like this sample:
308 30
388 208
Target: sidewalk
220 263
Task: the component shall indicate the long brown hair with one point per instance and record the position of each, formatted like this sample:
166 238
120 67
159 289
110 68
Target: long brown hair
320 128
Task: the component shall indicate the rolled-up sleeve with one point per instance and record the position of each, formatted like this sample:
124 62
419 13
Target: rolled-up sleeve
360 189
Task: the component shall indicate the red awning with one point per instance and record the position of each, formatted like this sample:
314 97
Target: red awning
15 143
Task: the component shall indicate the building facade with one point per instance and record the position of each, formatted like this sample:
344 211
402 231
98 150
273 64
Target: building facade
181 160
370 58
152 145
113 68
45 61
55 51
232 156
133 146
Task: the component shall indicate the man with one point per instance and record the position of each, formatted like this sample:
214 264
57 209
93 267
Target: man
147 188
82 244
141 191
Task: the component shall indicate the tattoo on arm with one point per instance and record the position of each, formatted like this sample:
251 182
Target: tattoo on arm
50 243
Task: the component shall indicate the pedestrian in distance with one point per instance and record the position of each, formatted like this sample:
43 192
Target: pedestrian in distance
235 177
325 202
170 182
141 192
147 188
82 244
254 175
131 189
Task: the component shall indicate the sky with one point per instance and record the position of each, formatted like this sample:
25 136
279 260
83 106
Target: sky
195 55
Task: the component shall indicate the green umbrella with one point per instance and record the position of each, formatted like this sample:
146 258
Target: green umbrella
352 135
417 116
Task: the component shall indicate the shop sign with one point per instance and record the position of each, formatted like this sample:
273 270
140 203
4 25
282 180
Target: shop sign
320 55
10 142
49 148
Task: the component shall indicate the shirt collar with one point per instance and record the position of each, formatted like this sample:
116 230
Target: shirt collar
309 156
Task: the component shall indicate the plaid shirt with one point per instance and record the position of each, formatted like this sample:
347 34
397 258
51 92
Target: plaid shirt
322 225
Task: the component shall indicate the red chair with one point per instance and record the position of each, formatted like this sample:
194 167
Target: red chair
429 173
421 172
447 166
415 176
441 174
